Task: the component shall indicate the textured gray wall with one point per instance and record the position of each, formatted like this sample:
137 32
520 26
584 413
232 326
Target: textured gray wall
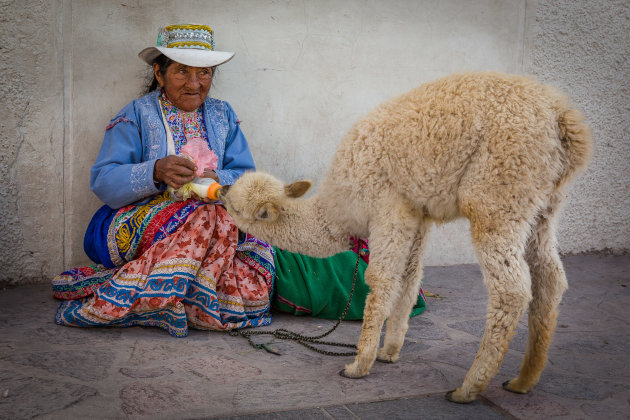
583 47
31 140
304 71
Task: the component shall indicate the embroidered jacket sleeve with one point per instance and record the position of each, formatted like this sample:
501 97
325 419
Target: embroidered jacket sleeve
121 175
237 157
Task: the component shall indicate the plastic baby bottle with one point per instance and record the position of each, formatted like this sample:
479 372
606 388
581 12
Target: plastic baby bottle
205 188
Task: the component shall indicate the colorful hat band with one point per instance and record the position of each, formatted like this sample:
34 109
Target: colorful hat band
186 36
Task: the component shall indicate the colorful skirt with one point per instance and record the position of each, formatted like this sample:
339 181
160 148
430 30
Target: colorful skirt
168 264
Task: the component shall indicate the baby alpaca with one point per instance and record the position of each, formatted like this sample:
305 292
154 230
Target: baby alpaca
496 149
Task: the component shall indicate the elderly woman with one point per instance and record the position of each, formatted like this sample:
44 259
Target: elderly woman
182 263
161 262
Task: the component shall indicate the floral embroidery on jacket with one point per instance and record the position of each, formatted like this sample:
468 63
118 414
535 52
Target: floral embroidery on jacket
183 125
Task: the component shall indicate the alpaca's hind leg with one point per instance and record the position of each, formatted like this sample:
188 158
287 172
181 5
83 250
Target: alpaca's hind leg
398 321
391 238
548 284
500 252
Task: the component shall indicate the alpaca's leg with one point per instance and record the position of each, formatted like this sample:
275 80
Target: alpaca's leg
500 250
391 238
548 284
398 321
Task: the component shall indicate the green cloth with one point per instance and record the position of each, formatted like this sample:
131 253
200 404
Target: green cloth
320 287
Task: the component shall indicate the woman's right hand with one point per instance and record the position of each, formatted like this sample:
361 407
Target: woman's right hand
174 171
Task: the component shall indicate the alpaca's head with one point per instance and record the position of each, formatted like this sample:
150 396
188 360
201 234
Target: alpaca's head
259 197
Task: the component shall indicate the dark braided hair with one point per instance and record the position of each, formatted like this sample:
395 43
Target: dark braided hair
164 62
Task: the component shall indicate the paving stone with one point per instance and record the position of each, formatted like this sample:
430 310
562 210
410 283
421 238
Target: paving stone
535 405
604 266
340 412
476 328
219 369
451 275
203 336
611 307
80 363
390 380
454 307
578 387
592 343
279 395
454 353
607 366
510 366
434 407
139 399
58 334
96 407
311 358
618 408
172 398
413 347
424 329
25 397
314 414
151 372
584 319
460 356
153 349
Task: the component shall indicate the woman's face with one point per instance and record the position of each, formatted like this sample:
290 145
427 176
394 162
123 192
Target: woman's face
186 87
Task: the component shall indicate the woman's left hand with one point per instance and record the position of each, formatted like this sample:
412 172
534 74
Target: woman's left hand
210 174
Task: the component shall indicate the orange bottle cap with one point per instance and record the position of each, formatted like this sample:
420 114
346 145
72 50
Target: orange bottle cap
213 191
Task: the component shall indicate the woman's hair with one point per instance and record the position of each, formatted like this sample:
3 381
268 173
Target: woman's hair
164 62
152 82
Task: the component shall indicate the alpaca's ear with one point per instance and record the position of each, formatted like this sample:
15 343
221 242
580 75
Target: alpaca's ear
267 212
297 189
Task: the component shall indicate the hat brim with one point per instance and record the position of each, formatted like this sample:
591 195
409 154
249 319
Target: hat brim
189 56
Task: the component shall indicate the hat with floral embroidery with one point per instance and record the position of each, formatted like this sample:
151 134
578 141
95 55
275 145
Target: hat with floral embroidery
192 45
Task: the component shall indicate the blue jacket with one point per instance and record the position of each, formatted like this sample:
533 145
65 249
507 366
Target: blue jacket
136 138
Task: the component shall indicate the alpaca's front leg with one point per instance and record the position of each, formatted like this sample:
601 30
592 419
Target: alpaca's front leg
391 240
377 308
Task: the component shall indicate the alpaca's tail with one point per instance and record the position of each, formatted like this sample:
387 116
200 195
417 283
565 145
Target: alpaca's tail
575 137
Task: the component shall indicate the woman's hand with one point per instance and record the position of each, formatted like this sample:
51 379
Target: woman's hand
174 171
210 174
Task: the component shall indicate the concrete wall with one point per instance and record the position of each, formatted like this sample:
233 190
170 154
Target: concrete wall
304 71
583 47
31 140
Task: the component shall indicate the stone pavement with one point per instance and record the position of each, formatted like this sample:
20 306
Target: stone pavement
53 372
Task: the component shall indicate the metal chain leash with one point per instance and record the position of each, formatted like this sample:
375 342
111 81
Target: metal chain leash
305 340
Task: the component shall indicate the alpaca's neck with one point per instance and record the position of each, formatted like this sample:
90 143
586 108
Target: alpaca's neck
304 227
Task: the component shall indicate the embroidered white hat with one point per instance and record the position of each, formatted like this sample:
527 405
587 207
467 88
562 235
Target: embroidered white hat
192 45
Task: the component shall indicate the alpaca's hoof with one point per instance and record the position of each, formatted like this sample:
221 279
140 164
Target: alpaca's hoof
384 357
352 371
456 397
343 373
509 386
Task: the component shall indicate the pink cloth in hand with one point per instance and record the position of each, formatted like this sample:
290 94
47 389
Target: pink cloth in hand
204 158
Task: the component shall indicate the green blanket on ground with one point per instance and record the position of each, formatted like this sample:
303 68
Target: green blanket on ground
320 287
